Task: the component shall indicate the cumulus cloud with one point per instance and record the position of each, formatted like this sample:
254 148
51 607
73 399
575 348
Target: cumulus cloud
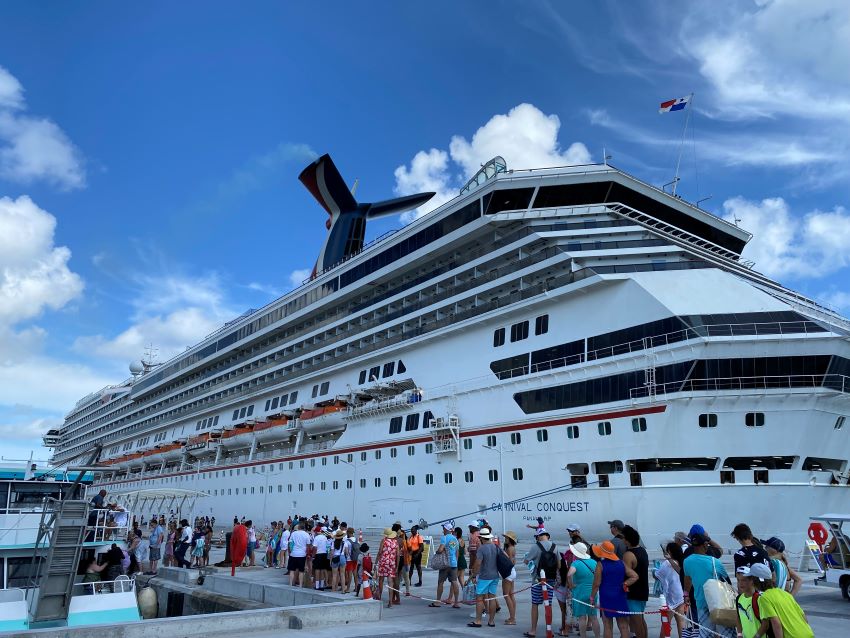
525 136
34 148
788 245
297 277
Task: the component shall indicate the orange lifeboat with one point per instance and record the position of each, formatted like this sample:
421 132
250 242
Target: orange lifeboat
273 430
330 417
171 451
237 437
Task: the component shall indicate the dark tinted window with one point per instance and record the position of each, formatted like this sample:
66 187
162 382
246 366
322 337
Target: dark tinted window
679 464
498 337
426 419
362 378
817 464
395 425
510 367
374 373
541 325
557 356
519 331
411 422
401 367
507 199
389 369
759 462
293 397
325 387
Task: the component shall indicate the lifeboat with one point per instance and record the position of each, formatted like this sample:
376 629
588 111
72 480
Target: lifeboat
126 461
238 436
273 430
330 417
202 444
172 451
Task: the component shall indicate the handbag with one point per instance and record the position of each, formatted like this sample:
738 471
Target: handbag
720 599
439 560
503 564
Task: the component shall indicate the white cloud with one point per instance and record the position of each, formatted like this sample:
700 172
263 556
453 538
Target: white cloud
297 277
525 136
34 274
786 245
266 289
34 148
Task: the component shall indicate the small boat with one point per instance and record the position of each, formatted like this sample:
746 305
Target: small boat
239 436
274 430
328 417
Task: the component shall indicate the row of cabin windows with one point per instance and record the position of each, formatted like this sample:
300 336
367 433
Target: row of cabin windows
283 401
751 420
321 390
374 373
241 413
519 331
200 425
160 436
143 441
411 422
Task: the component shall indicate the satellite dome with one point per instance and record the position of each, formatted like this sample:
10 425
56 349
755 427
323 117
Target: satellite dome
137 367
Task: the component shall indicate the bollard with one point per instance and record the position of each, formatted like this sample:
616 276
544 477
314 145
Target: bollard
665 621
547 604
360 535
367 589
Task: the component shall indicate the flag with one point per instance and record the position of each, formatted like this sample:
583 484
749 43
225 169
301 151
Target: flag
674 105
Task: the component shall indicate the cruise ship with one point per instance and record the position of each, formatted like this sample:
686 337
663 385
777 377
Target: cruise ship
571 343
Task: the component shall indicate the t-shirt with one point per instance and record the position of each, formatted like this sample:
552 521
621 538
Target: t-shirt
701 568
300 540
749 556
619 546
156 536
414 543
486 556
749 624
780 571
284 540
252 535
321 544
449 541
97 501
778 603
186 535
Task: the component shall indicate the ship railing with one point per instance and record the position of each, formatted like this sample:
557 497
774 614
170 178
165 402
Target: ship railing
121 584
106 525
834 382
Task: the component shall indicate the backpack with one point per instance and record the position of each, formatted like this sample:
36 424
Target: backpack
756 613
503 564
548 561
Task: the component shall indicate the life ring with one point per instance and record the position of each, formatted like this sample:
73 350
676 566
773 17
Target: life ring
818 533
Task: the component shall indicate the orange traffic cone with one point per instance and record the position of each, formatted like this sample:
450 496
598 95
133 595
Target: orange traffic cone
367 590
360 535
665 621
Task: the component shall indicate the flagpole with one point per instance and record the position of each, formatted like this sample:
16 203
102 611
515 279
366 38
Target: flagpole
682 144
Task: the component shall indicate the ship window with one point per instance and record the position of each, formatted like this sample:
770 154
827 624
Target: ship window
467 476
708 420
363 456
301 463
541 325
324 460
275 401
279 488
493 475
816 464
393 452
542 436
315 392
510 367
517 473
679 464
572 432
498 337
312 462
377 482
401 367
604 428
250 410
349 458
426 419
335 485
604 481
429 479
467 444
759 462
516 438
411 450
639 425
349 484
519 331
374 373
395 425
429 448
389 369
839 423
491 441
293 397
362 482
21 570
268 404
362 379
242 413
411 422
447 477
252 489
325 387
635 479
377 454
322 486
411 479
392 481
727 477
290 465
235 415
761 476
608 467
754 419
283 400
336 460
507 199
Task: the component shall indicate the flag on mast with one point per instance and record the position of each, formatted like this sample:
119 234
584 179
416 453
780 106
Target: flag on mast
674 105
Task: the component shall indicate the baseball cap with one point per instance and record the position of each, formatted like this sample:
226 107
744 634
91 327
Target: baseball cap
573 527
617 523
448 526
540 532
699 539
696 528
760 571
774 543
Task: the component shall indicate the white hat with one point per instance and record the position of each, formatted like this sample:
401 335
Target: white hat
579 550
540 531
484 532
573 527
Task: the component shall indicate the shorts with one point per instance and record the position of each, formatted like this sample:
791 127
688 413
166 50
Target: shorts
562 594
154 553
512 577
486 587
250 551
447 572
351 566
637 605
537 592
321 562
296 563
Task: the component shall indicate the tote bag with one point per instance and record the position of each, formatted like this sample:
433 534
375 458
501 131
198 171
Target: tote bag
720 598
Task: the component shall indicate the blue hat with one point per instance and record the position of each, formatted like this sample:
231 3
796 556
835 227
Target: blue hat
696 528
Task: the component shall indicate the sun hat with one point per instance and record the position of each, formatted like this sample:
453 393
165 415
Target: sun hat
573 527
579 550
389 533
485 533
540 532
511 535
474 523
340 533
606 549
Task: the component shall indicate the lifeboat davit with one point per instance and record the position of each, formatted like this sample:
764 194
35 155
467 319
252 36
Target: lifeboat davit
273 430
237 437
322 419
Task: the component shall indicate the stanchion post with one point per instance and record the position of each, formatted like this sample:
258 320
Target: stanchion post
665 621
547 604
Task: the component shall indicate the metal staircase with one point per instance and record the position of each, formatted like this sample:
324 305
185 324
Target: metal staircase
445 433
57 555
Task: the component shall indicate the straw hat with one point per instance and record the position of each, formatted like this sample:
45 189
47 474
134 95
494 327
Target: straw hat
485 533
340 533
579 550
389 533
607 550
511 535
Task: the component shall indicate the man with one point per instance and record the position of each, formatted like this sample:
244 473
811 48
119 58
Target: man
252 542
183 544
777 609
636 559
449 545
416 546
541 556
321 564
713 548
574 530
750 553
300 541
699 568
538 526
616 526
282 550
98 500
486 577
155 541
473 542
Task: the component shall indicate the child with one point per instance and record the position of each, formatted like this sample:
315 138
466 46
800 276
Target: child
364 563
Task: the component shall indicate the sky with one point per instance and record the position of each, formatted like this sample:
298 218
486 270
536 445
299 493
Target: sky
149 152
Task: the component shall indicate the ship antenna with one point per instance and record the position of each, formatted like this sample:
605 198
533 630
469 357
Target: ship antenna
688 108
354 186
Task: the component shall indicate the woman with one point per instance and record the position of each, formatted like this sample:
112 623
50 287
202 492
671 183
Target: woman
563 594
785 577
338 561
609 579
208 534
387 562
271 542
169 545
508 583
580 581
198 550
461 558
669 575
403 566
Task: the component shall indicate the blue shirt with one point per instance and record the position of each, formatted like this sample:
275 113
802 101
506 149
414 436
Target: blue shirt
449 541
701 568
155 536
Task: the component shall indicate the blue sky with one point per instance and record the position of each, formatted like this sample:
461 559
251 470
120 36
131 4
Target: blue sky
149 153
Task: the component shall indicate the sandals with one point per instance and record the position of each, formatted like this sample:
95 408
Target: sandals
528 635
473 624
508 621
435 605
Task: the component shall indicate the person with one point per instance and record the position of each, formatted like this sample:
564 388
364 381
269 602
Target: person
93 572
155 540
777 609
699 568
114 558
364 566
574 530
580 578
387 559
416 546
538 526
473 542
208 533
616 526
403 564
509 583
183 543
299 541
338 560
784 576
281 550
321 563
238 545
542 556
351 552
712 548
98 501
611 580
461 559
450 546
750 552
198 551
252 542
636 559
169 546
669 574
485 575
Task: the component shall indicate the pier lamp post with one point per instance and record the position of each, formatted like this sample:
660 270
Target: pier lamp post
501 450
